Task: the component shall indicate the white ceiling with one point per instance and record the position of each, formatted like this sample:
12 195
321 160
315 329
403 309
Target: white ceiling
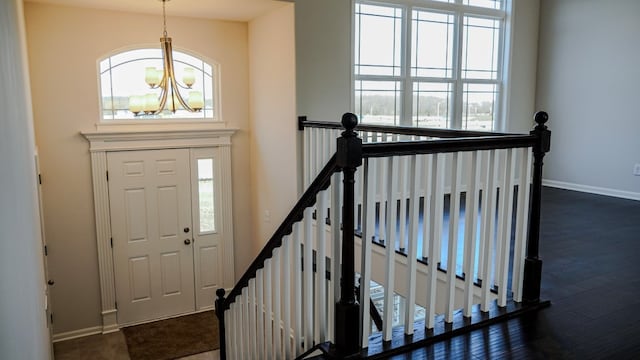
239 10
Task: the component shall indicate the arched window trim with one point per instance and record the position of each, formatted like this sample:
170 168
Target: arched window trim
216 81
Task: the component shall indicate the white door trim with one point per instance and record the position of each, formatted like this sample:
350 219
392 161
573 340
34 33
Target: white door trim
101 142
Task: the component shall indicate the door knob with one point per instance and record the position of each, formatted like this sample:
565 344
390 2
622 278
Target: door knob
51 282
187 241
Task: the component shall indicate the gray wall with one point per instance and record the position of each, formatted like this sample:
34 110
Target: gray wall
23 326
589 71
323 58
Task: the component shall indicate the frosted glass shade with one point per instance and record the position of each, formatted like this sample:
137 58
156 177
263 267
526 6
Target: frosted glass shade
136 103
189 76
196 100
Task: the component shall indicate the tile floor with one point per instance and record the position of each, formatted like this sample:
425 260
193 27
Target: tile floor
107 347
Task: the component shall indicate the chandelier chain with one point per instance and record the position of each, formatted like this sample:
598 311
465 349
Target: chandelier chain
164 17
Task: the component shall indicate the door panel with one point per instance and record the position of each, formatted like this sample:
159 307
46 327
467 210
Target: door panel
150 206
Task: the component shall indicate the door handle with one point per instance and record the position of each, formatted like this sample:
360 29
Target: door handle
51 282
187 241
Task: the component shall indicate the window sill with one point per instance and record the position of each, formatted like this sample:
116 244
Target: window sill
159 125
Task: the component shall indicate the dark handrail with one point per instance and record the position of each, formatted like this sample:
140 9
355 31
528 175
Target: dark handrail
371 150
400 130
321 182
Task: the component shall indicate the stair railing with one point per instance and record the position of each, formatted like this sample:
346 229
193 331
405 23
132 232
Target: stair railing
256 318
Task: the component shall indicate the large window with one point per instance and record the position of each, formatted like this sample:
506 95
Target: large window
122 76
429 63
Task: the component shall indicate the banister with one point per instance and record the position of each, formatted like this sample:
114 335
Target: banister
372 150
348 157
321 182
303 122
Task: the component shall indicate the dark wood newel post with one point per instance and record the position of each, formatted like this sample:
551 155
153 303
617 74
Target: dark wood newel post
347 313
533 264
221 330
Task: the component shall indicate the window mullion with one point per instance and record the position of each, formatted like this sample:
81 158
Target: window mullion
457 103
406 113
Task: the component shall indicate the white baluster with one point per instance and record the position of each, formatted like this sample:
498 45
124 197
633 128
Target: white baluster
488 228
298 332
368 229
402 191
390 243
308 279
319 155
245 324
260 318
277 274
454 222
471 225
336 244
237 310
522 223
321 265
414 173
307 156
427 209
436 219
499 240
383 170
286 294
253 333
268 304
507 198
230 319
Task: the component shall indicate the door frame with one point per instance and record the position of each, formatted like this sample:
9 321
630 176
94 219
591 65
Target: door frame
102 142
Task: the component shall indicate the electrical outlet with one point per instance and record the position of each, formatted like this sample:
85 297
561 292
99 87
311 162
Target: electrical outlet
636 169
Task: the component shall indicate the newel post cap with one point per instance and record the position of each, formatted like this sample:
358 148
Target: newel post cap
349 146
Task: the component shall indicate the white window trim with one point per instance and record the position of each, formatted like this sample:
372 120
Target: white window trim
501 108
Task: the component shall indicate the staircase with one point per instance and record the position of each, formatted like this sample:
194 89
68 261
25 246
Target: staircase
442 220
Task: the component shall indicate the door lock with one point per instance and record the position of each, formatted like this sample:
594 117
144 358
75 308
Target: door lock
187 241
186 230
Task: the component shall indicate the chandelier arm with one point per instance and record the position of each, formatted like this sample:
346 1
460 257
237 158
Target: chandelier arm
169 79
183 86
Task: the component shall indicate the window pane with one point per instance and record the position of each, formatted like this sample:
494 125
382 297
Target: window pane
123 75
205 196
432 44
378 102
378 40
478 110
431 103
492 4
480 48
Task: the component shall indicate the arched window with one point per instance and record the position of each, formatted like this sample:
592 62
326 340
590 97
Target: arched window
123 86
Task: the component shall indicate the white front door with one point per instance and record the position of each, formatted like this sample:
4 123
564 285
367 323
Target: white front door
150 208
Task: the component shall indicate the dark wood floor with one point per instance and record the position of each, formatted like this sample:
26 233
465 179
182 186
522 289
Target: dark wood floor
590 247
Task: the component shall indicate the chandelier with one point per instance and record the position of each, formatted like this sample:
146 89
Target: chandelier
164 79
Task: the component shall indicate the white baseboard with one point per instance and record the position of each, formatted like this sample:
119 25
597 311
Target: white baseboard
592 189
77 333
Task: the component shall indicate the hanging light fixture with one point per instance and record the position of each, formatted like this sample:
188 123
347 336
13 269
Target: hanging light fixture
165 80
